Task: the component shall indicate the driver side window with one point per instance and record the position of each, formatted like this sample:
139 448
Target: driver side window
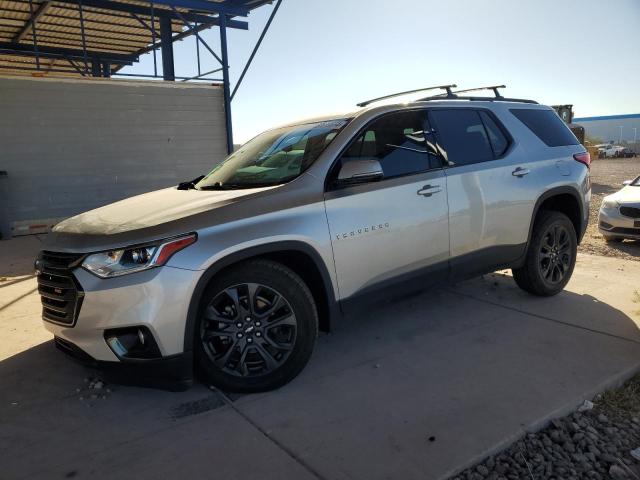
399 142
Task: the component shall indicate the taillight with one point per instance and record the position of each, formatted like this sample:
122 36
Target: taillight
583 158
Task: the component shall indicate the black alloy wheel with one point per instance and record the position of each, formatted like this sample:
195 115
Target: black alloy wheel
257 327
248 329
555 256
550 257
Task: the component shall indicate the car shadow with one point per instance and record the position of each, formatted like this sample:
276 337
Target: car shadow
630 247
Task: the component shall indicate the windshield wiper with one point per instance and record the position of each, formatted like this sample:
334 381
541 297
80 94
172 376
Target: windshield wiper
190 184
235 186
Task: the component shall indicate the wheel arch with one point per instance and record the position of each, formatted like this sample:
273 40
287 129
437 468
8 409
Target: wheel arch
298 256
563 199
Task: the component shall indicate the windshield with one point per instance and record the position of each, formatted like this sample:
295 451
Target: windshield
636 182
273 157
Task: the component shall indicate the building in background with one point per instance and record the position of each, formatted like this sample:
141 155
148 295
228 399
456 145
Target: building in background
619 129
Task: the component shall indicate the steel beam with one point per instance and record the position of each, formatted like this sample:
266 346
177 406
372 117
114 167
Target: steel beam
195 32
225 82
96 67
166 37
56 52
42 9
207 6
140 10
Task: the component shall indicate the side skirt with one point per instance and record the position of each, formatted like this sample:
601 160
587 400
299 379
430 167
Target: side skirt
445 273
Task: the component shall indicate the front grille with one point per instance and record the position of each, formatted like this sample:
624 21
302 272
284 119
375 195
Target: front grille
60 292
633 212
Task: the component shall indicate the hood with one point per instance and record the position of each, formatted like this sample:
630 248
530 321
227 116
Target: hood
628 194
150 209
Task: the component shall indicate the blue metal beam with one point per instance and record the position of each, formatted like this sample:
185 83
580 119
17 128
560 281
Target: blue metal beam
140 10
225 82
56 52
168 69
207 6
195 32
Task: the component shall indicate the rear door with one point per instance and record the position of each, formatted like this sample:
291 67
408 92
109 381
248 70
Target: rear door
490 189
396 228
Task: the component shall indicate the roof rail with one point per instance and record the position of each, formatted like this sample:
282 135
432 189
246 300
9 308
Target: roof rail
476 99
454 96
447 88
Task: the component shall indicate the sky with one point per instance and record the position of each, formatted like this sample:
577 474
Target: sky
323 56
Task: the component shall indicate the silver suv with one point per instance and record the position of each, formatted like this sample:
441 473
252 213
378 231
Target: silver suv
235 272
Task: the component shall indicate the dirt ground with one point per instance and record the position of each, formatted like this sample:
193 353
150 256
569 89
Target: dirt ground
607 176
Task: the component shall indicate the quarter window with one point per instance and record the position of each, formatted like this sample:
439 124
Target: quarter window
547 126
463 140
398 141
499 142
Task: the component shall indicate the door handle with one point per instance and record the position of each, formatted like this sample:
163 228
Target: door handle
429 190
520 172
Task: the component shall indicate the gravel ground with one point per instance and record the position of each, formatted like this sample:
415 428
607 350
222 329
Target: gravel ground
593 444
607 176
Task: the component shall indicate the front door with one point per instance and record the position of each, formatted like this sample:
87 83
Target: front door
395 228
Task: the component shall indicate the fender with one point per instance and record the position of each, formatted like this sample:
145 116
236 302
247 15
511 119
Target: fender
545 196
235 257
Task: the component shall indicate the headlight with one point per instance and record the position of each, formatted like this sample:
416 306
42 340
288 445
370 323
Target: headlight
134 259
609 204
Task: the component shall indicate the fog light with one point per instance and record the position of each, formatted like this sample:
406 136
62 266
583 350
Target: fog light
132 343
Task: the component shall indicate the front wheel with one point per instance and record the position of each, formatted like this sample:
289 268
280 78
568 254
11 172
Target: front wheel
551 255
257 327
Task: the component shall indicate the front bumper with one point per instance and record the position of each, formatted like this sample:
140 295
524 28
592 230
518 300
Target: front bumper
173 373
612 223
157 299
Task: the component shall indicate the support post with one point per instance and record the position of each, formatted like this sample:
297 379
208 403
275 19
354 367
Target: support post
96 67
225 82
106 69
166 38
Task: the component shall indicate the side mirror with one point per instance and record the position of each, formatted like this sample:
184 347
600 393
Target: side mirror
627 182
360 171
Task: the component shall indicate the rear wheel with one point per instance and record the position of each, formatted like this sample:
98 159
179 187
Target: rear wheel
257 327
551 255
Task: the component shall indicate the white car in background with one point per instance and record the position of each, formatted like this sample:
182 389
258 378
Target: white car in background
609 151
620 213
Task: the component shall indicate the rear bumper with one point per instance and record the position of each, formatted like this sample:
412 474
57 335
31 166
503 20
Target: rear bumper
173 373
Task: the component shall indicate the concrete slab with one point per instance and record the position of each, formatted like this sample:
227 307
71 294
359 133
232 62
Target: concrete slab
49 432
609 291
434 384
417 388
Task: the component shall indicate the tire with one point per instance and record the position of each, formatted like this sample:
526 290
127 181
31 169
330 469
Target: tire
548 263
278 331
610 239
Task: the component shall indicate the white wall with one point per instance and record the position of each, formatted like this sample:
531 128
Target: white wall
71 145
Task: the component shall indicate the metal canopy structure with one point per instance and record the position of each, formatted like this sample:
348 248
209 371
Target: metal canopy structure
97 38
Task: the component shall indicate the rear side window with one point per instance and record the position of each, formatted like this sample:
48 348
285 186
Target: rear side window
547 126
462 136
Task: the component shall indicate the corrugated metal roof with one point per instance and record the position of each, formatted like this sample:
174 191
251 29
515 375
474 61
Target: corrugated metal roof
68 27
